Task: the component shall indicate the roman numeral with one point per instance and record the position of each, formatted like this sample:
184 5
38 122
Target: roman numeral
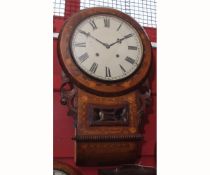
108 72
119 27
93 67
106 22
132 47
80 44
84 33
122 68
128 36
130 60
83 57
92 23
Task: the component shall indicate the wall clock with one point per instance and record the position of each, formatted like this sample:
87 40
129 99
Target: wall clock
107 56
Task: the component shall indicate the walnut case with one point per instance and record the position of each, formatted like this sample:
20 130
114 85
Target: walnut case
107 114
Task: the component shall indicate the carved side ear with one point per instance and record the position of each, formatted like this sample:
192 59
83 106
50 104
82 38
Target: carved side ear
68 95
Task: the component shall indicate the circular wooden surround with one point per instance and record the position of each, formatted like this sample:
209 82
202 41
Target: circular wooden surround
88 83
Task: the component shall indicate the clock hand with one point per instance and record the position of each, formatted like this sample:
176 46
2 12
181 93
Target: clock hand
89 35
120 40
105 44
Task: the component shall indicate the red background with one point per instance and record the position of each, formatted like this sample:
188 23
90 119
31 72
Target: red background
63 124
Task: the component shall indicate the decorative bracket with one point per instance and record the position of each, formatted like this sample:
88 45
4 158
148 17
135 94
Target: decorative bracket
69 96
144 100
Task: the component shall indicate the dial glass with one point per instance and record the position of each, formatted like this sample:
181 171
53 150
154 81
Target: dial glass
106 47
58 172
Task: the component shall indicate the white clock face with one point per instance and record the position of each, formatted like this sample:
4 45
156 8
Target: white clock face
106 47
58 172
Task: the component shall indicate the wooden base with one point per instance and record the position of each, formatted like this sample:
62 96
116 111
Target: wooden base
106 144
106 153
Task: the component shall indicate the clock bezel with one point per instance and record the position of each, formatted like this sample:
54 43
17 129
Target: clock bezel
94 77
90 83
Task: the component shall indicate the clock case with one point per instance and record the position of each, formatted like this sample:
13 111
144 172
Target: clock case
107 115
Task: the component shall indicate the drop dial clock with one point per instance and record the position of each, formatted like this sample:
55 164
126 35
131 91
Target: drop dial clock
107 56
106 47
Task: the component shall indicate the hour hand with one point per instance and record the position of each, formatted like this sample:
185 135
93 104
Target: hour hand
127 36
120 40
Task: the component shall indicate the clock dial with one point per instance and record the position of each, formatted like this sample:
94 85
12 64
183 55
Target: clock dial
58 172
106 47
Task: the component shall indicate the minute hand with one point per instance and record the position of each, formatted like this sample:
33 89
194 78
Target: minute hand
89 35
120 40
106 45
